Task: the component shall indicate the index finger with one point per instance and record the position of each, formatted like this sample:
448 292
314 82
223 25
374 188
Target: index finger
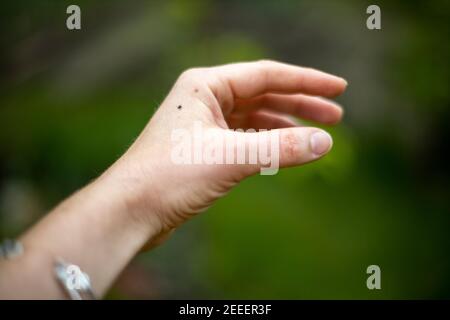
250 79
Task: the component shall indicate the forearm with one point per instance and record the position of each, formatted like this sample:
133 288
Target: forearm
95 229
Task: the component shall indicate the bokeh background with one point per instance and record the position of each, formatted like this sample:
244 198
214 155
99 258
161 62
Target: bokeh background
72 101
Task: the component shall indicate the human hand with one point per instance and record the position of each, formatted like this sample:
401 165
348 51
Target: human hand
148 192
258 95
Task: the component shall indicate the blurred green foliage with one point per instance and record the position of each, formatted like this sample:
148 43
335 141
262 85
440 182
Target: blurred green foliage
71 103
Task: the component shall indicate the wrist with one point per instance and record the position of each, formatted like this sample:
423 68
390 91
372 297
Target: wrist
133 195
96 229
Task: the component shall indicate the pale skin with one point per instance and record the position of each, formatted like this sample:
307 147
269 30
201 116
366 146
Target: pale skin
137 202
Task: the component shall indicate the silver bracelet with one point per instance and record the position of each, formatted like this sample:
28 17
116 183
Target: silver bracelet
10 248
75 282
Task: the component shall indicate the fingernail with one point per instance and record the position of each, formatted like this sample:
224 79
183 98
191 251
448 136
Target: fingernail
345 81
320 142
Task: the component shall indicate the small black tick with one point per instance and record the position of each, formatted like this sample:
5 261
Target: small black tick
179 107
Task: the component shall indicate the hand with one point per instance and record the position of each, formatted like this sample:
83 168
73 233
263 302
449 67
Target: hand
258 95
146 194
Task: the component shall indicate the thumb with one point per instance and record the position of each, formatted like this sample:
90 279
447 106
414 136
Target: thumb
267 151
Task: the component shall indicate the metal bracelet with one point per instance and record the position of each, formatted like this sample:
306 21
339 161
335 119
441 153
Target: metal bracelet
75 282
10 248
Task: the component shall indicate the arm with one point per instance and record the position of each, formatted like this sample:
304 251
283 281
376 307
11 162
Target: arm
138 201
94 228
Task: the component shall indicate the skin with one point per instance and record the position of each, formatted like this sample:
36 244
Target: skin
137 202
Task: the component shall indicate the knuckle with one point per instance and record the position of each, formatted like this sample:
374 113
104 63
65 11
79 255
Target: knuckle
190 74
290 146
265 62
264 100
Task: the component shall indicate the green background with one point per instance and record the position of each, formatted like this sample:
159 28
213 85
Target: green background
72 101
